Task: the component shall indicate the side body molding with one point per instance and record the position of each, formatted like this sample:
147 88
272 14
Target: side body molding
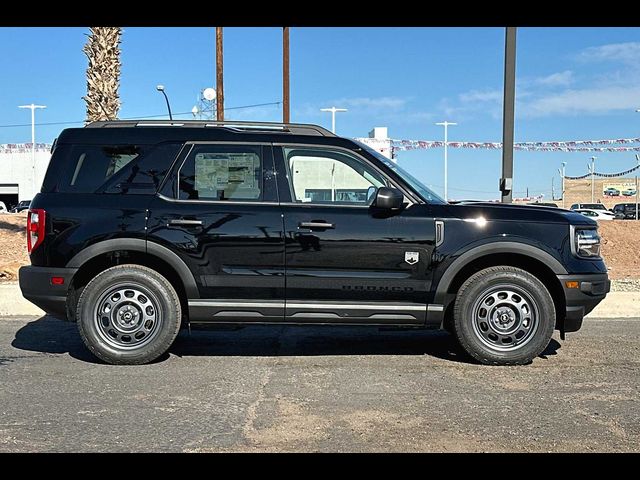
140 245
488 249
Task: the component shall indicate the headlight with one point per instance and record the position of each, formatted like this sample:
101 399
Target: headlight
585 242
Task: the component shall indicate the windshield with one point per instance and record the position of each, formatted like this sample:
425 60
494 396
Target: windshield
427 194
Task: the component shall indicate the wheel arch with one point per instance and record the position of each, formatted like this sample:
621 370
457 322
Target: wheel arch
105 254
534 260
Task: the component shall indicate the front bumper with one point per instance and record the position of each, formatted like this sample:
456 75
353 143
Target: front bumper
580 301
36 286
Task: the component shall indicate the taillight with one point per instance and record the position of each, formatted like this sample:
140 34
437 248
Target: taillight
35 228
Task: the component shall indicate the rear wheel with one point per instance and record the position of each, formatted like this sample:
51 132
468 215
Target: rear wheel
128 314
504 316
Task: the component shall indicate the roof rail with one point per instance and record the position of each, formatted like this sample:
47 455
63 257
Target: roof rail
293 128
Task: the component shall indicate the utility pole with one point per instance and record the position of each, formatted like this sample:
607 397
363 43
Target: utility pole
333 111
285 75
592 168
553 192
508 114
33 107
446 124
219 77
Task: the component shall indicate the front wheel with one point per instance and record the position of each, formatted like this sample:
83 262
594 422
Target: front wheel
504 316
128 315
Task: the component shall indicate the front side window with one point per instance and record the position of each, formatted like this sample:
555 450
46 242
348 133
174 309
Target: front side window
323 176
221 172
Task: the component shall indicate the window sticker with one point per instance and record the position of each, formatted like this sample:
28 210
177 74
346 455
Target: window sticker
212 172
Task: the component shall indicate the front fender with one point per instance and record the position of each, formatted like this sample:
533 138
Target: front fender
468 255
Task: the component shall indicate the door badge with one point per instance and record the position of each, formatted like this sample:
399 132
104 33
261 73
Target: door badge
411 257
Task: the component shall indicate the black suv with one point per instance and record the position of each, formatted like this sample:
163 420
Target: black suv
142 227
626 211
21 206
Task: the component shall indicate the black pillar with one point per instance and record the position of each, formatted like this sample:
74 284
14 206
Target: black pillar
506 182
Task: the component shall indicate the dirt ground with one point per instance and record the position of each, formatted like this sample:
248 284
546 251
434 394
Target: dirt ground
13 245
620 247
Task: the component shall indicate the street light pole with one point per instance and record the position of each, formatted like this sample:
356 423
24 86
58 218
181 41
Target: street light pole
33 143
160 88
333 111
593 171
446 124
637 192
564 164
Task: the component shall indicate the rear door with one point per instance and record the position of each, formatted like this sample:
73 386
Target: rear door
219 213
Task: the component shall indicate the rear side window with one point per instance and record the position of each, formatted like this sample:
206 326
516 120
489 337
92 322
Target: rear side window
93 165
222 172
111 168
145 174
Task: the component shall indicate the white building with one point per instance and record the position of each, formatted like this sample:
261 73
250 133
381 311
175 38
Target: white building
379 140
20 177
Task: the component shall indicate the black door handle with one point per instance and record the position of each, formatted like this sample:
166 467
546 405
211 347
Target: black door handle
316 225
185 223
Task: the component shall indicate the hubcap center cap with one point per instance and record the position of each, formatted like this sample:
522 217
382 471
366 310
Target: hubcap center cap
504 318
127 317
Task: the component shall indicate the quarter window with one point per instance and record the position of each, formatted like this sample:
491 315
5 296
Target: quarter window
93 165
222 172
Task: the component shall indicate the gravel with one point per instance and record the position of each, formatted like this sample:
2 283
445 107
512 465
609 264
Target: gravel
626 285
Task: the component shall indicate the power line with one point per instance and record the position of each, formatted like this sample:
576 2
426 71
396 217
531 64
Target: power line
135 118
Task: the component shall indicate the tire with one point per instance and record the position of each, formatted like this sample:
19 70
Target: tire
504 316
128 315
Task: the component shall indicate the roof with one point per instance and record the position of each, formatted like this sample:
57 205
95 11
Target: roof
156 131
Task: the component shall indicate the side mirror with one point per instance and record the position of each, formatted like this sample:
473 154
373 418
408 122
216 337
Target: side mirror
389 198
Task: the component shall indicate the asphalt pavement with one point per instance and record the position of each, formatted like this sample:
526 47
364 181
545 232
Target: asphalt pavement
335 389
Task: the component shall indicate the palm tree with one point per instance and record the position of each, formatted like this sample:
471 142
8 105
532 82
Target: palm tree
103 73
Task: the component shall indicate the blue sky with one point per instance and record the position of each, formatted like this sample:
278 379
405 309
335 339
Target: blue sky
573 83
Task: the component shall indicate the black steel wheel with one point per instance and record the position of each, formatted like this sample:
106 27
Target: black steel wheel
504 316
128 314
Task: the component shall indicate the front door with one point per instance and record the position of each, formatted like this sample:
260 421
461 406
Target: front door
219 213
348 262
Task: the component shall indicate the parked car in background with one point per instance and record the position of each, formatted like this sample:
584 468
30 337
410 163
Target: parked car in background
588 206
625 210
612 192
23 205
596 214
3 208
629 192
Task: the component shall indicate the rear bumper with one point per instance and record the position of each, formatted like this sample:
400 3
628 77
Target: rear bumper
36 286
580 301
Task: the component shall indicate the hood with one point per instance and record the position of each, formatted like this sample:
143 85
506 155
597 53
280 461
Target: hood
518 213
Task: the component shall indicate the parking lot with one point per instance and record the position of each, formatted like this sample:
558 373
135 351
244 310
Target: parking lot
318 389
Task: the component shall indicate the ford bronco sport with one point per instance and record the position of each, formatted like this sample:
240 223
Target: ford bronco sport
142 227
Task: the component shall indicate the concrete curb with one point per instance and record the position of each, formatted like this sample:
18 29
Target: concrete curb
13 303
616 305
